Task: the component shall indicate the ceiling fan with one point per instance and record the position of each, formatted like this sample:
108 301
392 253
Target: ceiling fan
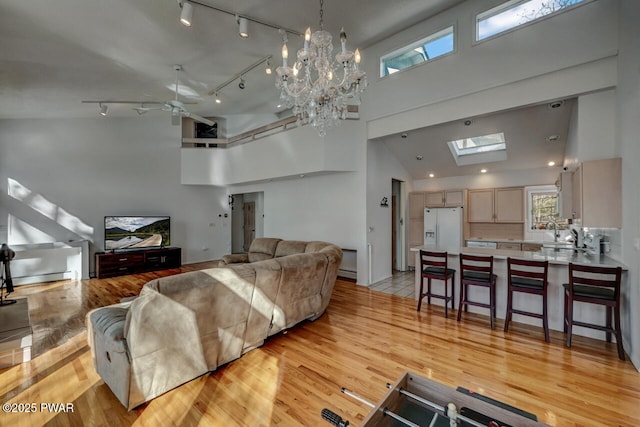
175 107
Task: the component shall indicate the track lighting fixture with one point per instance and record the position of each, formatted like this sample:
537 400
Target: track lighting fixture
240 76
267 69
104 109
186 14
242 26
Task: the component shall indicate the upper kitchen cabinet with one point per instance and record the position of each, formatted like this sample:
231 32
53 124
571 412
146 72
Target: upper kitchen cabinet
565 192
447 198
597 193
496 205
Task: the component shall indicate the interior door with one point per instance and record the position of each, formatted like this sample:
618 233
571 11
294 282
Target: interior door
249 223
394 231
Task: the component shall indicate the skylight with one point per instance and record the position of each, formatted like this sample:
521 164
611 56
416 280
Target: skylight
424 50
479 149
515 13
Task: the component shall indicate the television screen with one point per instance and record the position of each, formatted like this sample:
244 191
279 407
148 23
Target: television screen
136 232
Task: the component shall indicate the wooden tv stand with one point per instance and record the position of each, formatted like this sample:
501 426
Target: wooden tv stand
110 264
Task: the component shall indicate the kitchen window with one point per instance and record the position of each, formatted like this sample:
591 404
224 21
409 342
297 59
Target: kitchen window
542 212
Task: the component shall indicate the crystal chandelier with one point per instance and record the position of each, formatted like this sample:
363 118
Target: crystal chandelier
318 87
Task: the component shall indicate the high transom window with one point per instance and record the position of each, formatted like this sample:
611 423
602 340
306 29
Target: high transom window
515 13
424 50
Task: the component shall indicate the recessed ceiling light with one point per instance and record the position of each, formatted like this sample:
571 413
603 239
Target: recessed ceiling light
431 175
419 157
551 163
553 138
483 171
556 104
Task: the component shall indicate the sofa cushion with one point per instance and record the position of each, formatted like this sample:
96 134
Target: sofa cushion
233 259
316 246
263 248
290 247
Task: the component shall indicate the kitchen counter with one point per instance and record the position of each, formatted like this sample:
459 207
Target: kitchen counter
561 257
558 274
485 239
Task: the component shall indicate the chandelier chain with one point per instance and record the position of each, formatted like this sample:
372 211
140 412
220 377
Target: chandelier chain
321 14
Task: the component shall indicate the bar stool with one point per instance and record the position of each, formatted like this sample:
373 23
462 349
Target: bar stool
594 285
477 270
433 265
530 277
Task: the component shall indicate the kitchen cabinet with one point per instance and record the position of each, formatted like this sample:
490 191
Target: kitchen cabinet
512 246
565 195
496 205
531 247
480 205
447 198
597 193
576 193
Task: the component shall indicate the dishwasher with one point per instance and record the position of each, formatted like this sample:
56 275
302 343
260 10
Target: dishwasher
481 244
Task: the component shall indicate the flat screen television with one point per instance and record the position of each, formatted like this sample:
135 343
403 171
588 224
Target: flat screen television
136 232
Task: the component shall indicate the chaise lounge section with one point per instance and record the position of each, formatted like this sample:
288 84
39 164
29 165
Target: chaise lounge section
182 326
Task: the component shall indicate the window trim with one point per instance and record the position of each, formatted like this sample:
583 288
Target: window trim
512 4
536 189
418 43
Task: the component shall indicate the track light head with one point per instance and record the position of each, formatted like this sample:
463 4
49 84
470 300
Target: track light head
217 99
186 14
242 26
104 109
241 85
267 69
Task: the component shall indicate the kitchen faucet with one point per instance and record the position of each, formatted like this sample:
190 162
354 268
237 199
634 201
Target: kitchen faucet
555 229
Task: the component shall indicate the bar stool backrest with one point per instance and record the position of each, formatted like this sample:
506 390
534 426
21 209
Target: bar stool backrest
530 269
476 263
603 277
433 259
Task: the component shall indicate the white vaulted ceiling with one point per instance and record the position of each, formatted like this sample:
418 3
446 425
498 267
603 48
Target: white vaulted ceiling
57 53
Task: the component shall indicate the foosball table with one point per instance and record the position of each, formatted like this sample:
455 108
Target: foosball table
416 401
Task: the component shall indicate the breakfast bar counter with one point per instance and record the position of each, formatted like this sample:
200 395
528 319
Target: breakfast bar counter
558 274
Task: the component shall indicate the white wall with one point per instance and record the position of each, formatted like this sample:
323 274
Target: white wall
627 131
326 207
382 167
285 154
79 170
592 132
580 36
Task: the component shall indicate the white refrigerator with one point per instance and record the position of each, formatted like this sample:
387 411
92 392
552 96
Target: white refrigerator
443 228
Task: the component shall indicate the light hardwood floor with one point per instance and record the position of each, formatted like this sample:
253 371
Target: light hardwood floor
364 340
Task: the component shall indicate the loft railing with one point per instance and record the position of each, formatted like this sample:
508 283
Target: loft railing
255 134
